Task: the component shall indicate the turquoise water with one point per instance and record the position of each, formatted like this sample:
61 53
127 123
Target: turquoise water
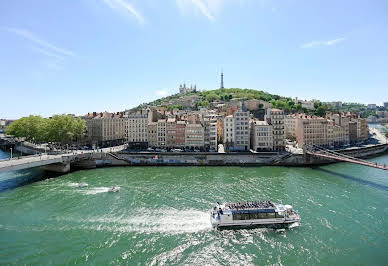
161 216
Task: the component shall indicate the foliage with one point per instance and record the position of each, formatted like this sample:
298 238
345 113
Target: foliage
175 106
60 129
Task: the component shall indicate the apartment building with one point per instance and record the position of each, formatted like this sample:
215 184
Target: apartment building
194 136
136 129
171 133
161 132
312 131
241 131
105 129
153 134
228 135
353 131
290 127
180 134
275 117
261 136
343 121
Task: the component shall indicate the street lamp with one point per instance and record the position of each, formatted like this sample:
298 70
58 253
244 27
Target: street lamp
11 152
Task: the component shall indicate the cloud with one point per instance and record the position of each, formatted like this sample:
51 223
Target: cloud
125 8
323 43
43 45
161 93
206 7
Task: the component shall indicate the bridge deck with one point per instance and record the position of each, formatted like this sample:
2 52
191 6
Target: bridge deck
45 159
349 160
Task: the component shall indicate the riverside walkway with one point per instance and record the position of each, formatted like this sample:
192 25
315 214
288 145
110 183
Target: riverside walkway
25 162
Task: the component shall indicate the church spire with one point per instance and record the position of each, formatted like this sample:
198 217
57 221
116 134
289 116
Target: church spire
222 80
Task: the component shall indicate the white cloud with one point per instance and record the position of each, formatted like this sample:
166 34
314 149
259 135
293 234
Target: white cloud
125 8
207 8
161 93
323 43
43 45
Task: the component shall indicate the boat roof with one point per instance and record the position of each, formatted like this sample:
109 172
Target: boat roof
252 207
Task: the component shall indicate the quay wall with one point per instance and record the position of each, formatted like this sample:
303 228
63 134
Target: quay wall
221 159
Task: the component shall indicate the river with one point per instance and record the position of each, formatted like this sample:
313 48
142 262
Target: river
161 216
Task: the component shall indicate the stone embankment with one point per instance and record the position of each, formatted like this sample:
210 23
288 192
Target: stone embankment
219 159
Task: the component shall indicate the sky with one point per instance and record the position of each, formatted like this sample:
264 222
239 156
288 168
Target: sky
80 56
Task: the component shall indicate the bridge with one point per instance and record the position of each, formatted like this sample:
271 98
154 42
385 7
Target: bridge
58 162
318 151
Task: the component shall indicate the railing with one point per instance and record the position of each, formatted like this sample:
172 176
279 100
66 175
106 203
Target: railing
328 154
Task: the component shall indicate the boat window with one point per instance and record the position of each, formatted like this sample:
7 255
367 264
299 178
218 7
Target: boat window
271 215
262 215
255 216
279 216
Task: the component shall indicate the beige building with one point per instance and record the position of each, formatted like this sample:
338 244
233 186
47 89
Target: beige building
342 121
228 135
275 117
180 134
153 134
171 133
261 136
194 136
312 131
161 132
105 129
290 127
136 128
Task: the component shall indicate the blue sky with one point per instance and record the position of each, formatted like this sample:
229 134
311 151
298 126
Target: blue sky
81 56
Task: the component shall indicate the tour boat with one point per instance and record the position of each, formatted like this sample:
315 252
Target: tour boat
81 185
253 214
114 189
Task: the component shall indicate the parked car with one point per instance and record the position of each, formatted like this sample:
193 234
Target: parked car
150 149
176 150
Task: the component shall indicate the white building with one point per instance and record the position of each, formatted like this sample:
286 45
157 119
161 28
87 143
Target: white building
261 136
228 131
275 117
241 131
161 132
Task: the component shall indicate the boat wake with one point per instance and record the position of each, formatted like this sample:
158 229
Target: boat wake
96 190
168 221
296 224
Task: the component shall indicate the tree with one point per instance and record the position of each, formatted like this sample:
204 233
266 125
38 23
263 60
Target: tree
60 129
320 111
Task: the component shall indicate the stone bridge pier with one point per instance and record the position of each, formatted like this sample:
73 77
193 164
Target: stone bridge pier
58 167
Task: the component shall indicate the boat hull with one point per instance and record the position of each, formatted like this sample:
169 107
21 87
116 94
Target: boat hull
255 225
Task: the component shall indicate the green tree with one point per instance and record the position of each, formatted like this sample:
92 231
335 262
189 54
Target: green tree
320 111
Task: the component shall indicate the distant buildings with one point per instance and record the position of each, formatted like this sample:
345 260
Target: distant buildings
372 106
336 105
385 104
183 89
333 131
240 125
309 105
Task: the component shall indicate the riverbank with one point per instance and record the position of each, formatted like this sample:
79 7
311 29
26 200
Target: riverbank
123 158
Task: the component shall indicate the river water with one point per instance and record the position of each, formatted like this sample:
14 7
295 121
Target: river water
161 216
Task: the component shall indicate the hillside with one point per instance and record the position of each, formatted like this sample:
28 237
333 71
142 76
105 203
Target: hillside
226 95
281 102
